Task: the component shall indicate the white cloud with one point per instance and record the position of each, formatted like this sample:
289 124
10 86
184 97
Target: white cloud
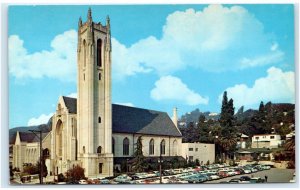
72 95
277 86
215 39
129 104
172 88
42 119
59 62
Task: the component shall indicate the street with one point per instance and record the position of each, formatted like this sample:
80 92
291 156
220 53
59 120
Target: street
274 176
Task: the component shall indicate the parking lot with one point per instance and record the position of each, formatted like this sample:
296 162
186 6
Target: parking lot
274 176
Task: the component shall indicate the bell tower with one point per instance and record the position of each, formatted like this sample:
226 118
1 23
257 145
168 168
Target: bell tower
94 112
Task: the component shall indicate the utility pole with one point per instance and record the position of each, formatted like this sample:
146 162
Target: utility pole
160 160
41 152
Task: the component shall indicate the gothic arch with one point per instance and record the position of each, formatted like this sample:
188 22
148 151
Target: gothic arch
175 148
163 147
59 138
151 147
126 146
84 52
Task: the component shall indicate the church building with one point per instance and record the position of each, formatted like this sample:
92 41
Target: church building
91 131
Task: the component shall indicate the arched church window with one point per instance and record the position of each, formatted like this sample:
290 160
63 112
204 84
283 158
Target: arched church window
99 76
99 150
84 53
175 148
99 119
126 146
151 147
99 53
113 145
83 149
163 147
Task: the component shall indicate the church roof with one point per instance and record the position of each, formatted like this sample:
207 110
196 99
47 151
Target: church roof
127 119
30 137
71 104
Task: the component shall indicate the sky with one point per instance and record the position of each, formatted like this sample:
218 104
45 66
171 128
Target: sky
163 56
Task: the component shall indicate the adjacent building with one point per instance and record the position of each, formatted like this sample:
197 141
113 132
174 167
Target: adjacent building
266 141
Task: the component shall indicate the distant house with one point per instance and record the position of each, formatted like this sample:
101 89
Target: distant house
266 141
242 141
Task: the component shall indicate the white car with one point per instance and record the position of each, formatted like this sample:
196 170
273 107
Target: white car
122 178
83 181
214 177
247 171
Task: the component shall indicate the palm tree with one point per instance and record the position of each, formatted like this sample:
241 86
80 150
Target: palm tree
227 144
290 146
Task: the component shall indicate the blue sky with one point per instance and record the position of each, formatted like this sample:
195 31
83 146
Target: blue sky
163 56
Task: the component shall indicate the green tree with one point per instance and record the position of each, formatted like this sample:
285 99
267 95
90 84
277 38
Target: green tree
203 132
139 163
228 136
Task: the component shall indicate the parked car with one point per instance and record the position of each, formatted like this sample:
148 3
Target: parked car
104 181
245 178
83 181
122 178
256 180
214 176
266 167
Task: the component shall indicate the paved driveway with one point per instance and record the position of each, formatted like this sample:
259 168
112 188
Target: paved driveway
274 175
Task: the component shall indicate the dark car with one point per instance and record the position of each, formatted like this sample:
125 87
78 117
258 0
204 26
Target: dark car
245 178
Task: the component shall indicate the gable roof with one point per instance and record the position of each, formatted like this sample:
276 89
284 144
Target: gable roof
127 119
71 104
142 121
30 137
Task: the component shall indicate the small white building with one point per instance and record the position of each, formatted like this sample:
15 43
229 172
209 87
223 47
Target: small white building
202 152
242 142
266 141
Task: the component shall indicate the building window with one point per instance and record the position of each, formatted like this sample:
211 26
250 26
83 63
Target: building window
99 76
191 149
84 53
100 168
83 149
83 76
174 148
99 119
99 53
256 138
113 145
99 150
191 158
272 137
151 147
197 149
126 146
163 147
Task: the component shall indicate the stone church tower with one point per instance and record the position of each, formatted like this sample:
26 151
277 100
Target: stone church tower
94 110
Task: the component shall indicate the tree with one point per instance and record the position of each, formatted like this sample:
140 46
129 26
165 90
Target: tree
228 134
139 163
75 174
197 162
290 147
31 169
191 133
203 131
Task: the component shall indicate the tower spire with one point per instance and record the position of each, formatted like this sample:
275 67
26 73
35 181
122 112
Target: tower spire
89 14
108 45
79 22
